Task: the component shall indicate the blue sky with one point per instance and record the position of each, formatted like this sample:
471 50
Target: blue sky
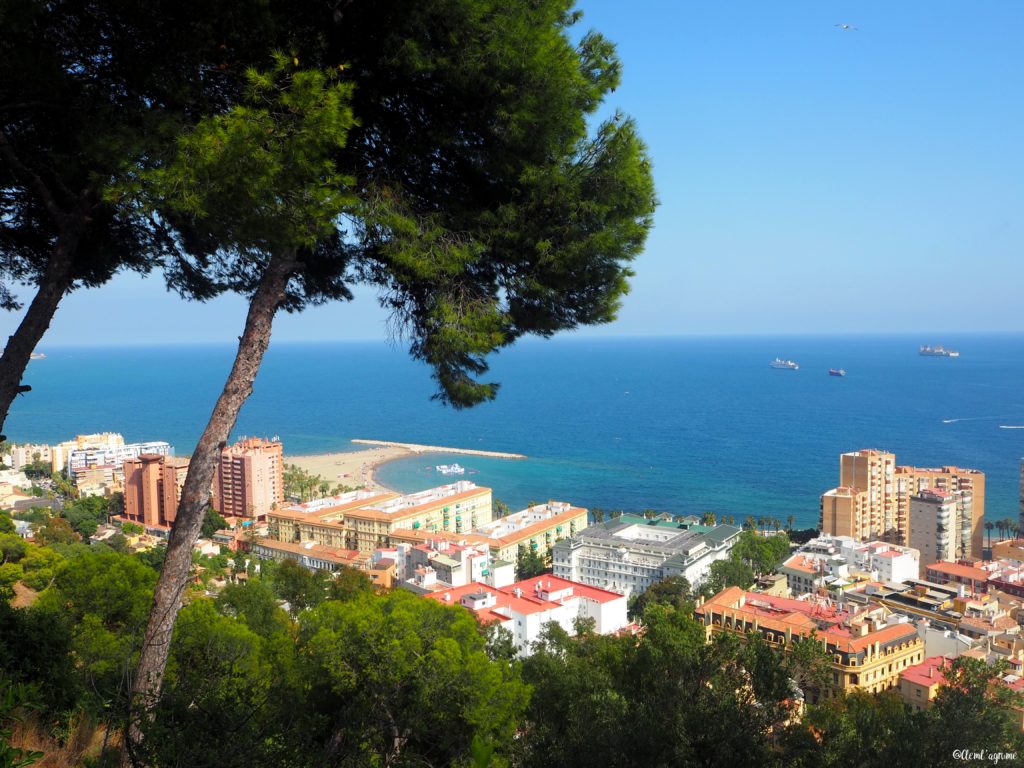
811 179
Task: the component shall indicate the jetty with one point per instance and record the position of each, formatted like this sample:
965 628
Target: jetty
441 449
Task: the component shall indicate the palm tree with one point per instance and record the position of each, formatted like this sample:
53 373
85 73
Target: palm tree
750 524
790 519
988 528
708 518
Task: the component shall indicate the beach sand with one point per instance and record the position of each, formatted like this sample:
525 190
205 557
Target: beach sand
352 468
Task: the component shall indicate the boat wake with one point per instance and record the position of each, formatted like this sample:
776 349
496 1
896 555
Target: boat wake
1010 426
974 418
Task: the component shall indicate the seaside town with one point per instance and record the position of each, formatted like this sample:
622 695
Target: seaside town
573 229
902 577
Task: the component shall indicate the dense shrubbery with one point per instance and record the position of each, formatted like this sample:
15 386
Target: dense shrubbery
349 677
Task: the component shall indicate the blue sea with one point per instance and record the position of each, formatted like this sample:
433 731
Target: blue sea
685 425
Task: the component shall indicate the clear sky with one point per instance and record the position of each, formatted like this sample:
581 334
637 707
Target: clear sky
812 179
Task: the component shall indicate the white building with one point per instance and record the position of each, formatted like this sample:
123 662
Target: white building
112 455
829 561
440 563
525 607
628 554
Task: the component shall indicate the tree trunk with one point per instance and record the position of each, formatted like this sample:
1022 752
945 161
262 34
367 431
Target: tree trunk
54 283
195 494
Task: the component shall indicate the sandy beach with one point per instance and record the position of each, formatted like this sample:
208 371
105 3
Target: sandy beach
353 468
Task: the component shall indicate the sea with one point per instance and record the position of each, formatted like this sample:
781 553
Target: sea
681 425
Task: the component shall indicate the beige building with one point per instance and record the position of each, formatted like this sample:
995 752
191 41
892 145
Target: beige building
368 520
249 481
321 521
536 529
152 489
874 495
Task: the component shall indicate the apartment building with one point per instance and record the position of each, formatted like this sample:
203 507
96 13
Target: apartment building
109 456
536 529
308 554
321 521
874 497
919 685
867 651
525 607
940 525
249 481
832 562
455 508
967 487
630 553
152 489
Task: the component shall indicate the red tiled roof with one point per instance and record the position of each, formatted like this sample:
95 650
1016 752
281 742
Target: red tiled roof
927 673
957 569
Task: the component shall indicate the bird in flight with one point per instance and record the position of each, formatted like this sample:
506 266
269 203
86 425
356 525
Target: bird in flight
846 26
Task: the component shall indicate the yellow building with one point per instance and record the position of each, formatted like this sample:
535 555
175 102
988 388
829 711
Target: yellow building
867 653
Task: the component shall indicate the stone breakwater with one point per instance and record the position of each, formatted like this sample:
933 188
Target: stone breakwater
441 449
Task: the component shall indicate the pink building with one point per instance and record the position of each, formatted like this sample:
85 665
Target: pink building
250 478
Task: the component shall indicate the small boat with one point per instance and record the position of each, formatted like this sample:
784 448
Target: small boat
786 365
37 356
836 371
450 469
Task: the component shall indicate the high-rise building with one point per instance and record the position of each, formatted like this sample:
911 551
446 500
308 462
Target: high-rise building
940 525
864 504
249 481
152 489
968 488
874 495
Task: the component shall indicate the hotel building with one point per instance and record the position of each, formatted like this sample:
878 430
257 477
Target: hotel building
249 481
874 496
109 457
867 652
152 489
630 553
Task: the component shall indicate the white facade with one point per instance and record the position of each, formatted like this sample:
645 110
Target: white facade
113 455
526 607
627 557
826 559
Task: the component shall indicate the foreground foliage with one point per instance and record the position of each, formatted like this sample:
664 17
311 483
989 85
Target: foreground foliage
352 678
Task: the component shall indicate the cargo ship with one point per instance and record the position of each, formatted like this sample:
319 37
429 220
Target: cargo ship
937 351
836 371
